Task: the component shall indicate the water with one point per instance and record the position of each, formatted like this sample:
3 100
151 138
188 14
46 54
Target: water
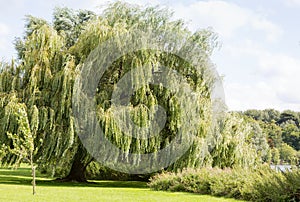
282 168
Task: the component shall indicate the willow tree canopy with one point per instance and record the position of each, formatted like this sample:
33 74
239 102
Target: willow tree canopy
51 59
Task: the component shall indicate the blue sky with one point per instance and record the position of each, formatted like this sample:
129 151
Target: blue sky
260 53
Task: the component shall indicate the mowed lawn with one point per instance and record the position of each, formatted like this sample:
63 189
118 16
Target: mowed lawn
15 185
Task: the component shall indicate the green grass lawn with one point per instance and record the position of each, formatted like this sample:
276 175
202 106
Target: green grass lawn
15 185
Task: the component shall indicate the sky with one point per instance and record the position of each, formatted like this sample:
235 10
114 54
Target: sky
259 56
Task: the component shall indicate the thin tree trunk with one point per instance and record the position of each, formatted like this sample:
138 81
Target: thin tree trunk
33 174
33 181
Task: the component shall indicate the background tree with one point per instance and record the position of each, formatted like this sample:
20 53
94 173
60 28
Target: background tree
288 154
266 115
276 156
291 135
274 134
70 23
258 138
281 128
235 145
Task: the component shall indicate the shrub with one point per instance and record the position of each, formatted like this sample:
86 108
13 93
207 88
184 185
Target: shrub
259 184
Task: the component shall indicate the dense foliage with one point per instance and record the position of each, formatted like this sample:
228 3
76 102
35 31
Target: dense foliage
282 131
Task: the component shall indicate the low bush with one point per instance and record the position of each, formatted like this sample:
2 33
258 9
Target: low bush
260 184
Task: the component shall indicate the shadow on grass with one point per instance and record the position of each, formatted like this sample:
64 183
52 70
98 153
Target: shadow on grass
22 176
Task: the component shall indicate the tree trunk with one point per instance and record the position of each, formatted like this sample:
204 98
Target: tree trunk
33 173
77 172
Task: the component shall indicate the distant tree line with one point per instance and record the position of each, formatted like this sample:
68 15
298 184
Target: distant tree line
282 132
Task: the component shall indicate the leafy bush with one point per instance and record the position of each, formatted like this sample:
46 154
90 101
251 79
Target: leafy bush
265 184
260 184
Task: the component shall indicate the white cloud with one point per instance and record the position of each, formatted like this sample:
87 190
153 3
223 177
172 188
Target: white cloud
14 6
227 18
271 81
270 63
143 2
249 96
220 15
4 30
272 31
97 5
3 45
291 3
261 95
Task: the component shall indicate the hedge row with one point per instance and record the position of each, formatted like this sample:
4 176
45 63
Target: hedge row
260 184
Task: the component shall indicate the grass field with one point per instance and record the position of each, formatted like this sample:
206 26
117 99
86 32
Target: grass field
15 185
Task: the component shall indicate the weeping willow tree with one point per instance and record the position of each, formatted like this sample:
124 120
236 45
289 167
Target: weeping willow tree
119 19
50 59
